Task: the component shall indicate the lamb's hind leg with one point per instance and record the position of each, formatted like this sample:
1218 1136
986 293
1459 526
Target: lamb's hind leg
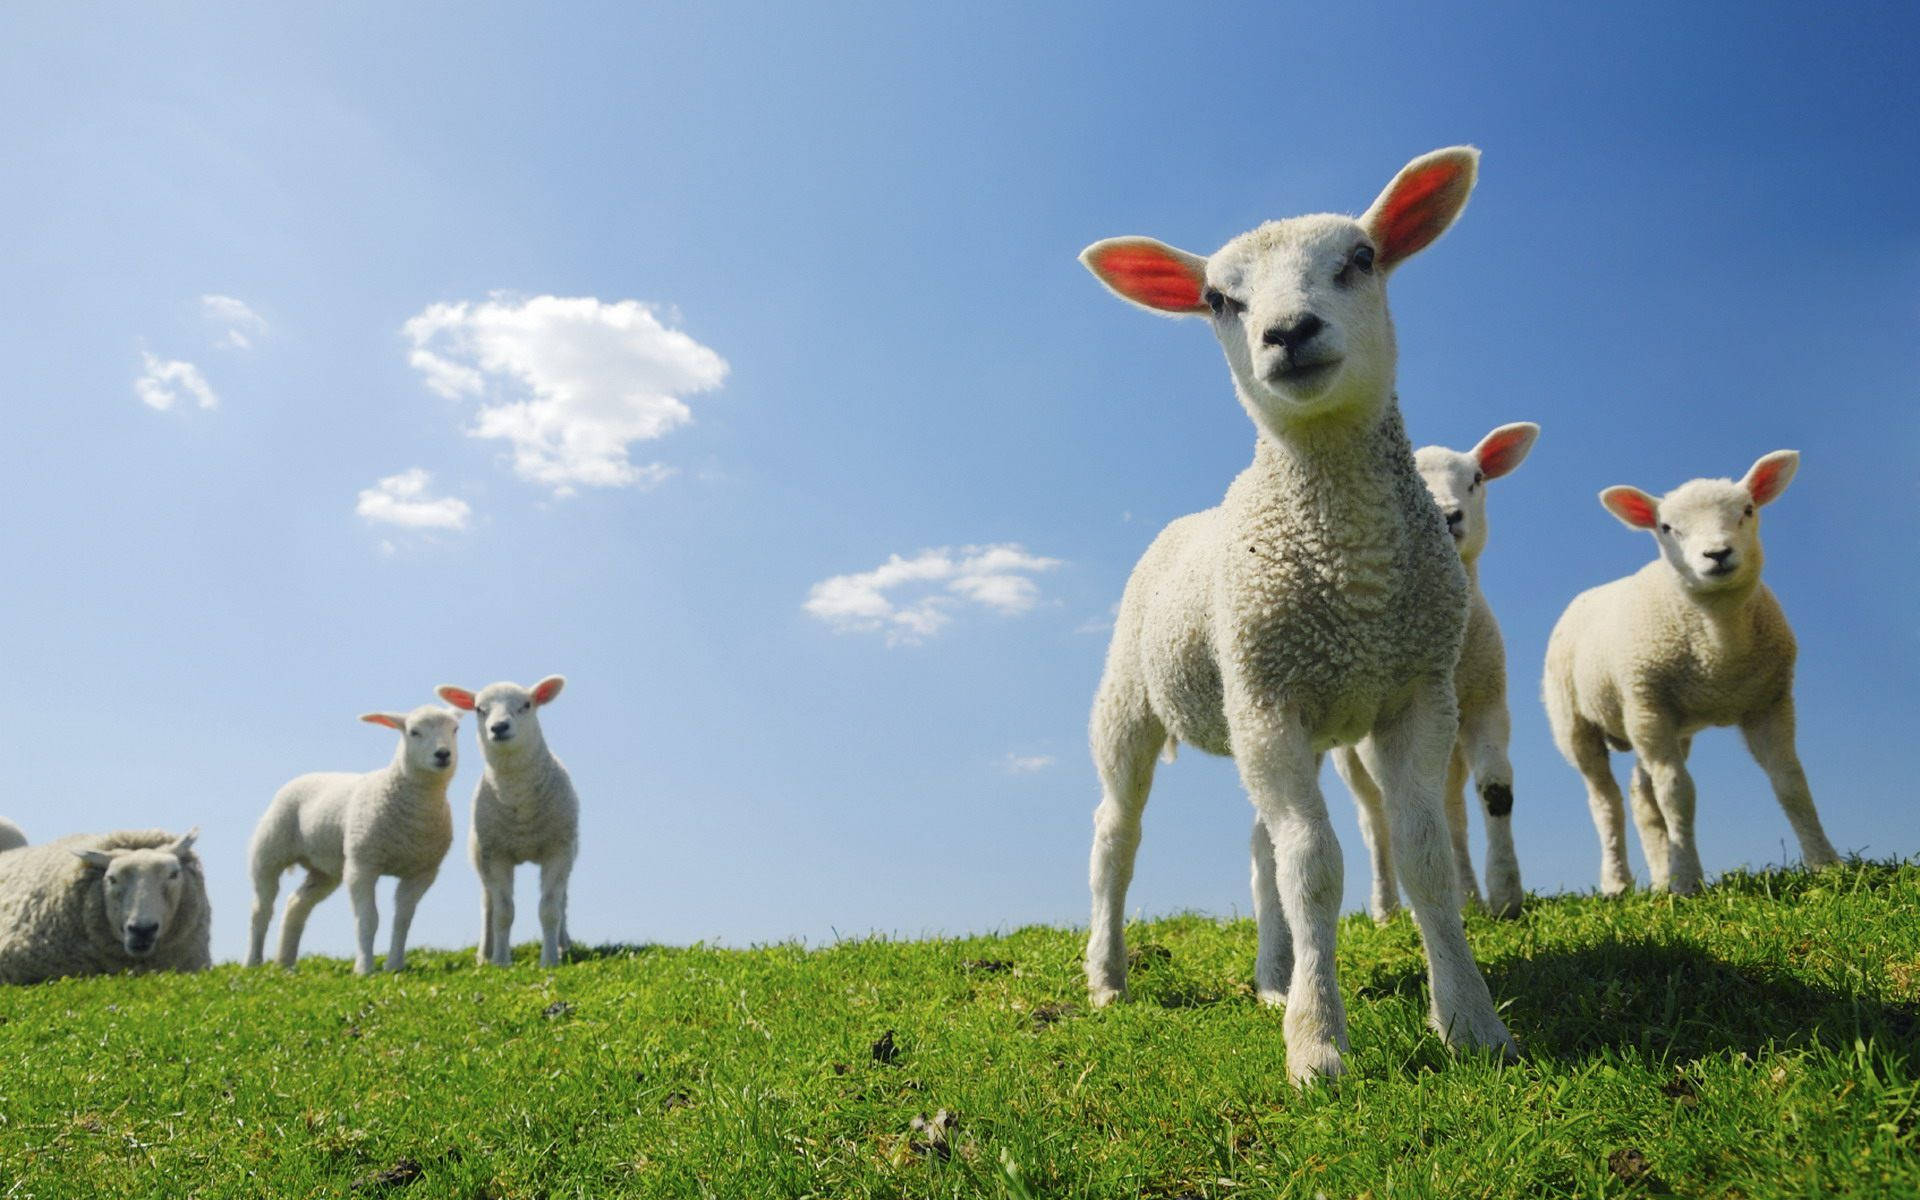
1484 733
1385 900
1455 797
1124 746
266 889
316 887
1273 961
1408 755
1770 738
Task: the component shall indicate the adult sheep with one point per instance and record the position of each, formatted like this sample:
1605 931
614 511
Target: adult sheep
95 904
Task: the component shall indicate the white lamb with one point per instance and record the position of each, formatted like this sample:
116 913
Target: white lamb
95 904
1322 604
1457 483
524 810
355 828
11 836
1690 640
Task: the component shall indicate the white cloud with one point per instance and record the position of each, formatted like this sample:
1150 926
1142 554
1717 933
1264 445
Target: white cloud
402 500
1027 764
569 382
927 588
240 323
164 380
1100 624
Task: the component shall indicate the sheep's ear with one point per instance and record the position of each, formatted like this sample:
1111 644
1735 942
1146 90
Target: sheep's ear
185 843
95 858
1148 273
1770 476
1635 508
1421 202
548 688
390 720
1505 448
460 698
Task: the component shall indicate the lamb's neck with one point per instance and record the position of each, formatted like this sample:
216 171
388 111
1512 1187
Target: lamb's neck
1724 617
521 767
1337 466
416 787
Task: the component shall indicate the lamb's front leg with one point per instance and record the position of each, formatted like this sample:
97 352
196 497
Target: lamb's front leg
366 917
1273 961
1385 900
1408 754
1282 775
1662 754
1125 742
553 906
1484 732
496 878
1770 738
406 897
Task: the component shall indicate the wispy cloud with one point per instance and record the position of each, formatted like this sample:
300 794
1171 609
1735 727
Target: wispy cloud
911 599
1100 624
164 381
402 500
1027 764
571 383
238 323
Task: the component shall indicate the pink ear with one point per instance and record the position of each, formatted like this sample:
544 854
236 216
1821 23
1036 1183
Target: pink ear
1505 448
1769 477
1632 506
1421 202
548 688
460 698
1149 273
387 719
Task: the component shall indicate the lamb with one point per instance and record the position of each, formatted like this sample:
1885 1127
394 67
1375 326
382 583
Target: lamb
11 836
355 828
95 904
524 810
1321 604
1692 639
1457 483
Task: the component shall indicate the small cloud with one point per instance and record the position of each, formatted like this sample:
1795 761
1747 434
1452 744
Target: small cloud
402 500
239 323
1026 764
1099 624
926 589
165 380
569 382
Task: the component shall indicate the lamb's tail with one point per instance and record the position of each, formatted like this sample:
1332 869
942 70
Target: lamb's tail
1171 750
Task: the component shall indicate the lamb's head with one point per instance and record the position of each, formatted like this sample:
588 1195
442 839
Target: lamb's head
1300 306
1458 481
509 714
430 741
141 890
1708 529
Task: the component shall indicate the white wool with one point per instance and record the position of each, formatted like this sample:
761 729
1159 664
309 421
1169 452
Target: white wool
524 810
1691 640
350 828
1458 484
96 904
1321 604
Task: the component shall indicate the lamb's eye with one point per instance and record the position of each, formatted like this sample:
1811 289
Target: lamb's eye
1665 528
1215 301
1363 258
414 734
1749 511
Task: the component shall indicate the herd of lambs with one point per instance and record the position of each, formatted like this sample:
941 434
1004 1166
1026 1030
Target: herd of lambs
1330 603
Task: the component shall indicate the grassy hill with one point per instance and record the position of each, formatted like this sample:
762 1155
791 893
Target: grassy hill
1758 1040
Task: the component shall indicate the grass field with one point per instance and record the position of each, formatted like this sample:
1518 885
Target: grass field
1757 1040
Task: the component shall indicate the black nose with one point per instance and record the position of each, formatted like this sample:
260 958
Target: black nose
1456 516
443 755
1295 333
1721 556
144 932
500 728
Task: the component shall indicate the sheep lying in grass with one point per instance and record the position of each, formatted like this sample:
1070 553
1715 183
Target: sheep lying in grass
94 904
356 828
1457 483
11 837
1321 604
524 810
1692 639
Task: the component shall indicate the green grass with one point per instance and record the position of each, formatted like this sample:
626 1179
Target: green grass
1757 1040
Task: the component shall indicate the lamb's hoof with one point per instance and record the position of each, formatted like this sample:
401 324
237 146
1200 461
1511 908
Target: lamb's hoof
1272 997
1383 915
1101 996
1505 906
1683 887
362 968
1314 1064
1615 888
1486 1034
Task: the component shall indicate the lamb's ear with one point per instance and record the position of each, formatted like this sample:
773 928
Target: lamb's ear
1770 476
1505 448
1148 273
1421 202
95 858
460 698
1635 508
390 720
185 843
548 688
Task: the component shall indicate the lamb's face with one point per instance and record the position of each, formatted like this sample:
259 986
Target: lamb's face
1709 533
509 714
142 890
432 740
1458 486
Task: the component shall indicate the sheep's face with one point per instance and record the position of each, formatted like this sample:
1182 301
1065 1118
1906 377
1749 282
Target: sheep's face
509 714
1708 529
1300 306
1458 482
141 890
429 738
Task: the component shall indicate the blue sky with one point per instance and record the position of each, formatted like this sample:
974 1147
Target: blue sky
825 311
